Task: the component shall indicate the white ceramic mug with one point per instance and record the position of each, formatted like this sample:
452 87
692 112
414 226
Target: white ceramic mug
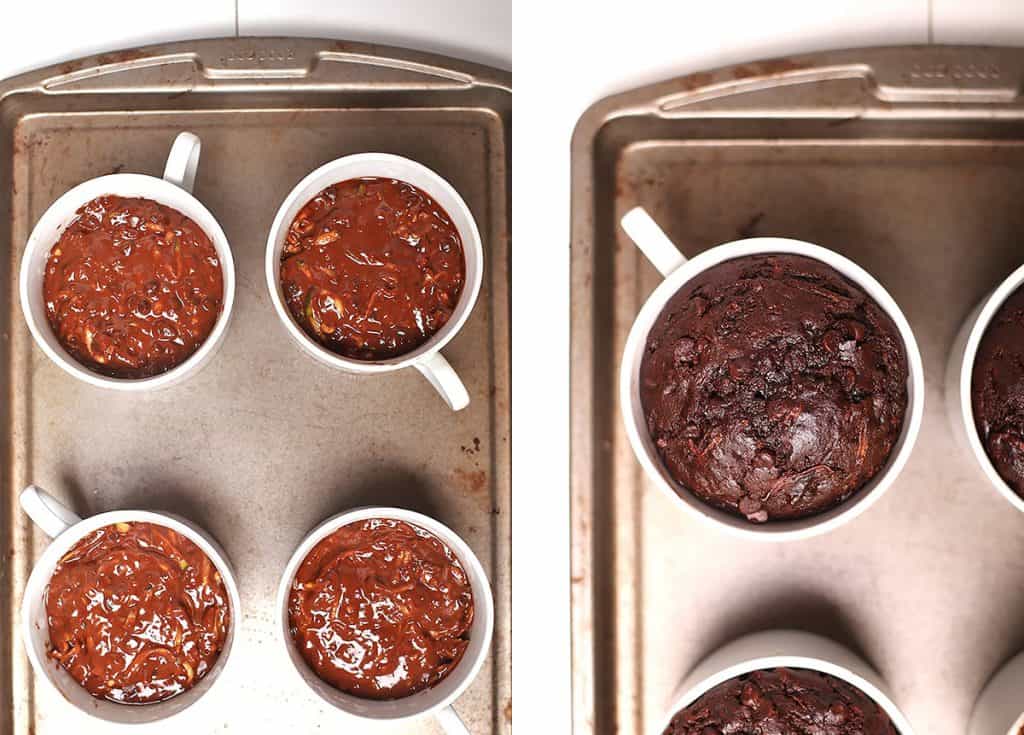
959 371
791 649
67 529
999 709
438 699
426 358
173 190
678 271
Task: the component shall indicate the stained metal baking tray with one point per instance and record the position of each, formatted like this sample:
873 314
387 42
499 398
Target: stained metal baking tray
263 443
910 161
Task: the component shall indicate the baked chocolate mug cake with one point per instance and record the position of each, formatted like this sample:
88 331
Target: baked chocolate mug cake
997 391
773 387
782 701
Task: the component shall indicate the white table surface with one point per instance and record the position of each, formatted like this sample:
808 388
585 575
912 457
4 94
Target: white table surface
43 32
571 53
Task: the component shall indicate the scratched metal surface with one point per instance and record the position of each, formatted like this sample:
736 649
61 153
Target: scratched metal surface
908 161
263 443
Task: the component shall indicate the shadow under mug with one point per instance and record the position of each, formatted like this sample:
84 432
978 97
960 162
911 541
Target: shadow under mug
999 709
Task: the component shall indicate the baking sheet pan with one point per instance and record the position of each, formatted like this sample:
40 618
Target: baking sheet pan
910 161
263 443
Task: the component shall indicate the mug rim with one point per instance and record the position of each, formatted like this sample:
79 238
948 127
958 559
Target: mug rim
472 246
982 318
463 552
639 436
64 208
36 586
808 661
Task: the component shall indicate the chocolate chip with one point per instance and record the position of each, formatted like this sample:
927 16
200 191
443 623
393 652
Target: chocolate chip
749 506
830 342
763 459
686 351
740 368
846 377
837 713
751 696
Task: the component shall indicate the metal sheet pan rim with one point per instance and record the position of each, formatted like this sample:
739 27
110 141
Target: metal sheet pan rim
446 69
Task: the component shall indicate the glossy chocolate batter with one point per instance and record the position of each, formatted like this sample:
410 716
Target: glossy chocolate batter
372 268
997 391
783 702
132 288
773 387
137 613
381 609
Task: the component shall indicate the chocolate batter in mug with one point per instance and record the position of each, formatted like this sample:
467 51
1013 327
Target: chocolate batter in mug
137 613
381 609
132 288
372 268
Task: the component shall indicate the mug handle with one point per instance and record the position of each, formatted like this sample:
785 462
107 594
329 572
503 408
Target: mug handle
183 160
46 511
446 381
450 722
652 240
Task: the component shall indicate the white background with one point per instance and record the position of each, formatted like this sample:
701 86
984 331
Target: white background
41 32
570 53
